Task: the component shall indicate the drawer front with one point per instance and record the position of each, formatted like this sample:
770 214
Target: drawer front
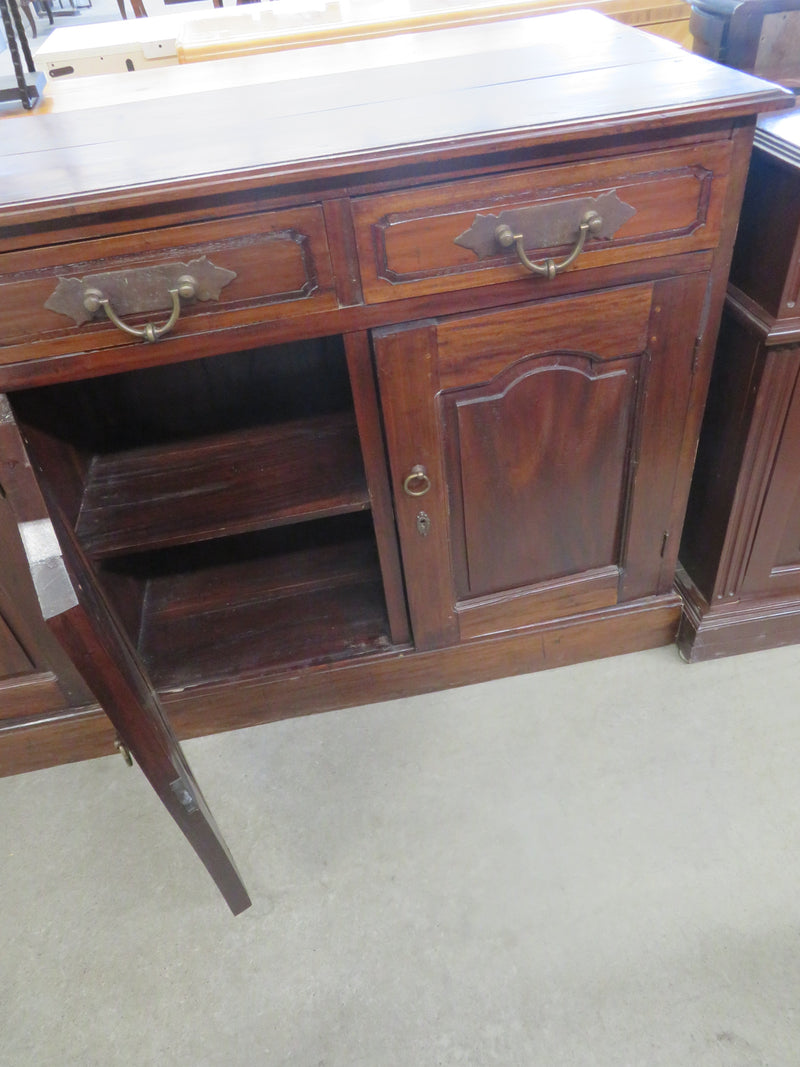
443 238
250 269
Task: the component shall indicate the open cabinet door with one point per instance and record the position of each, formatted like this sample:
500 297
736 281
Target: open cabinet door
78 613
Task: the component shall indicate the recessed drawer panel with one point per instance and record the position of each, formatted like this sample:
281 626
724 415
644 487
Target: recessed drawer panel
447 237
244 270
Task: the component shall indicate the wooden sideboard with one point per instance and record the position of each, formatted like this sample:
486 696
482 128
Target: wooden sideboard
443 324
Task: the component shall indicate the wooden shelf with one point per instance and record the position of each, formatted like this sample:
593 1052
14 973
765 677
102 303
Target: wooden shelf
251 479
254 615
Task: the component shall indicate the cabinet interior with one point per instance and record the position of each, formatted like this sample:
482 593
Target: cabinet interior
224 504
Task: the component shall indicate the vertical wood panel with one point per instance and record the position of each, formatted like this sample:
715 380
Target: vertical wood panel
542 456
409 383
365 400
665 390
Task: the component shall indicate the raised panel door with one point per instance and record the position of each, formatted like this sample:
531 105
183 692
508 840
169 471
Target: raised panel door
535 454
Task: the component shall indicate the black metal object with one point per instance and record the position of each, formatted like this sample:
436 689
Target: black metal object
26 85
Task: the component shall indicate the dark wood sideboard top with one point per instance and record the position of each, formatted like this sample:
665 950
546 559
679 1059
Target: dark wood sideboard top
425 98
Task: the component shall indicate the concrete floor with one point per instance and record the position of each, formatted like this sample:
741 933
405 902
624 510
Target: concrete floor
594 866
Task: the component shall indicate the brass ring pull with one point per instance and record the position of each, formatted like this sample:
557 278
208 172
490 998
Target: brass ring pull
93 300
417 483
590 223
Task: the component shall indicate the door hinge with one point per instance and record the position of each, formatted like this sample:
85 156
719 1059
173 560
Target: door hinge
186 798
124 751
664 540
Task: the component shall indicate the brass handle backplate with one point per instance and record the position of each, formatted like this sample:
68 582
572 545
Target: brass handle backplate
417 483
555 223
94 299
590 223
139 291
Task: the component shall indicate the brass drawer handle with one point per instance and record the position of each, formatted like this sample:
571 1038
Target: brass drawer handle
138 291
93 300
417 483
590 223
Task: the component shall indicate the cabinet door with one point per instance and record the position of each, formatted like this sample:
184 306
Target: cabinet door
535 454
76 611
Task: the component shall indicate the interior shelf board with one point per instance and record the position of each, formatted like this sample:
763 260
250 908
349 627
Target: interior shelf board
254 616
250 479
214 588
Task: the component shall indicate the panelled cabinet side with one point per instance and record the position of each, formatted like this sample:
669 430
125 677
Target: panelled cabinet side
46 709
740 554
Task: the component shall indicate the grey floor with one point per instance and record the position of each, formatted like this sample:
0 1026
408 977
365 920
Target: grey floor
597 865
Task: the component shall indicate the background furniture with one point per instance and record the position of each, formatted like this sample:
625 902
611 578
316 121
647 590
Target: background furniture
741 546
417 377
25 84
759 36
217 33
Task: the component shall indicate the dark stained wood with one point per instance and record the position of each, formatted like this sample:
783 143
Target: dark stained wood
409 382
240 619
554 643
36 368
735 627
35 741
228 705
759 36
173 494
705 346
652 519
536 68
63 688
774 555
365 398
407 241
101 651
765 261
732 393
740 554
344 254
527 605
544 464
13 660
79 616
556 418
281 260
69 462
174 402
609 324
540 469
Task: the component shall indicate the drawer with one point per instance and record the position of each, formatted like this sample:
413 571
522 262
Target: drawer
443 238
247 269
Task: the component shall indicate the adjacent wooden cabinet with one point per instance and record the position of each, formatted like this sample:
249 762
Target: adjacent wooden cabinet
740 558
759 36
392 384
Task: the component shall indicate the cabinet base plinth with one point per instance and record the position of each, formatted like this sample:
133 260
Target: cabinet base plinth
711 631
242 702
